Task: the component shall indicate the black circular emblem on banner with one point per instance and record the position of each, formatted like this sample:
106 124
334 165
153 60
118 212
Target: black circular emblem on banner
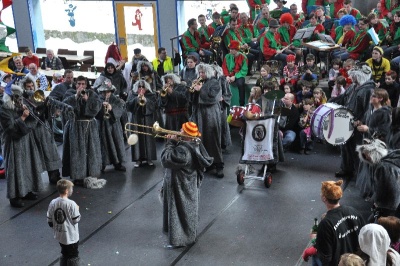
259 132
59 216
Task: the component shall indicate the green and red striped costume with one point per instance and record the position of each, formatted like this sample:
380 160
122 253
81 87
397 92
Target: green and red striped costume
395 33
247 32
338 33
269 44
231 35
191 43
235 65
359 45
256 3
306 3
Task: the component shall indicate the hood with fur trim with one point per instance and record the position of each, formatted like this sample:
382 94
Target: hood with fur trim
174 77
141 63
141 82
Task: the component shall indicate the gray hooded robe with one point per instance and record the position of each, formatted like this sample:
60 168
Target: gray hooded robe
184 163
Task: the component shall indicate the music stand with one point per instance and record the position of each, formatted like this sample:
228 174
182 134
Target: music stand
304 33
326 38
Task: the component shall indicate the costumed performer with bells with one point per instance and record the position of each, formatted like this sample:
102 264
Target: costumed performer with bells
184 160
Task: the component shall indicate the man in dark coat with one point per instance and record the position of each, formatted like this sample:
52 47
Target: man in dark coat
184 162
59 91
206 113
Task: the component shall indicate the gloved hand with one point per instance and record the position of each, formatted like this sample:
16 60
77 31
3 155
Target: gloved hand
308 252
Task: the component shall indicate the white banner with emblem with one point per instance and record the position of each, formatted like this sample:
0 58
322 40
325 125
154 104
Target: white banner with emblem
258 142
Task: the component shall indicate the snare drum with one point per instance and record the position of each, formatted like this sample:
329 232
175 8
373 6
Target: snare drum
235 117
253 108
332 122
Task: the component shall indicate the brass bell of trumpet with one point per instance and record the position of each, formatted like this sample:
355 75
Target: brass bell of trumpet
164 90
157 132
142 100
245 50
194 84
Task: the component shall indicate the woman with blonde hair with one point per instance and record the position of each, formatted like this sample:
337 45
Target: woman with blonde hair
349 259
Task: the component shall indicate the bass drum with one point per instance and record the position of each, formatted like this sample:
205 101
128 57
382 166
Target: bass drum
332 122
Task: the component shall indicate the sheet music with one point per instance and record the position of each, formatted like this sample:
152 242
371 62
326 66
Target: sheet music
373 35
304 33
326 38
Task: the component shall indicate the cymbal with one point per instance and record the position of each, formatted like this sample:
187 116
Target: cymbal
274 95
283 111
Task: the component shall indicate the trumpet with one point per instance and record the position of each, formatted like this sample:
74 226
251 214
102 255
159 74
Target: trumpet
157 132
142 100
195 82
164 90
245 50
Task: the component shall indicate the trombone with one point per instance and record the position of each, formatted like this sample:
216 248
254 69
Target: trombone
157 132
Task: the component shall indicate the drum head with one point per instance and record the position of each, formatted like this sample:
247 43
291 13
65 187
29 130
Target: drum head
338 126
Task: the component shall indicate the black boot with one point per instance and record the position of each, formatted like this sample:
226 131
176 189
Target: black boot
17 203
73 261
119 167
63 261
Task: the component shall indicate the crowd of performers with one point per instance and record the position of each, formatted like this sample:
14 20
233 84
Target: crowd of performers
196 103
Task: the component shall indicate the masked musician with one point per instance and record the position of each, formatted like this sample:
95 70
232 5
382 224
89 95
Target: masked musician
255 7
393 38
36 76
145 72
270 44
358 46
117 79
174 101
23 162
207 113
111 134
42 131
184 162
131 67
188 73
235 68
224 102
142 103
82 152
356 98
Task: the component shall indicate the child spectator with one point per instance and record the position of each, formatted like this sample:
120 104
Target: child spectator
306 92
334 72
255 95
288 88
265 76
63 216
338 88
290 71
306 139
392 87
350 259
310 71
347 65
392 226
319 97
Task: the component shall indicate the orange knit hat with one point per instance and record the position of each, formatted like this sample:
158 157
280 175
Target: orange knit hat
191 129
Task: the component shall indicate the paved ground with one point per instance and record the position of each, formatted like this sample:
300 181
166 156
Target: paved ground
239 225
